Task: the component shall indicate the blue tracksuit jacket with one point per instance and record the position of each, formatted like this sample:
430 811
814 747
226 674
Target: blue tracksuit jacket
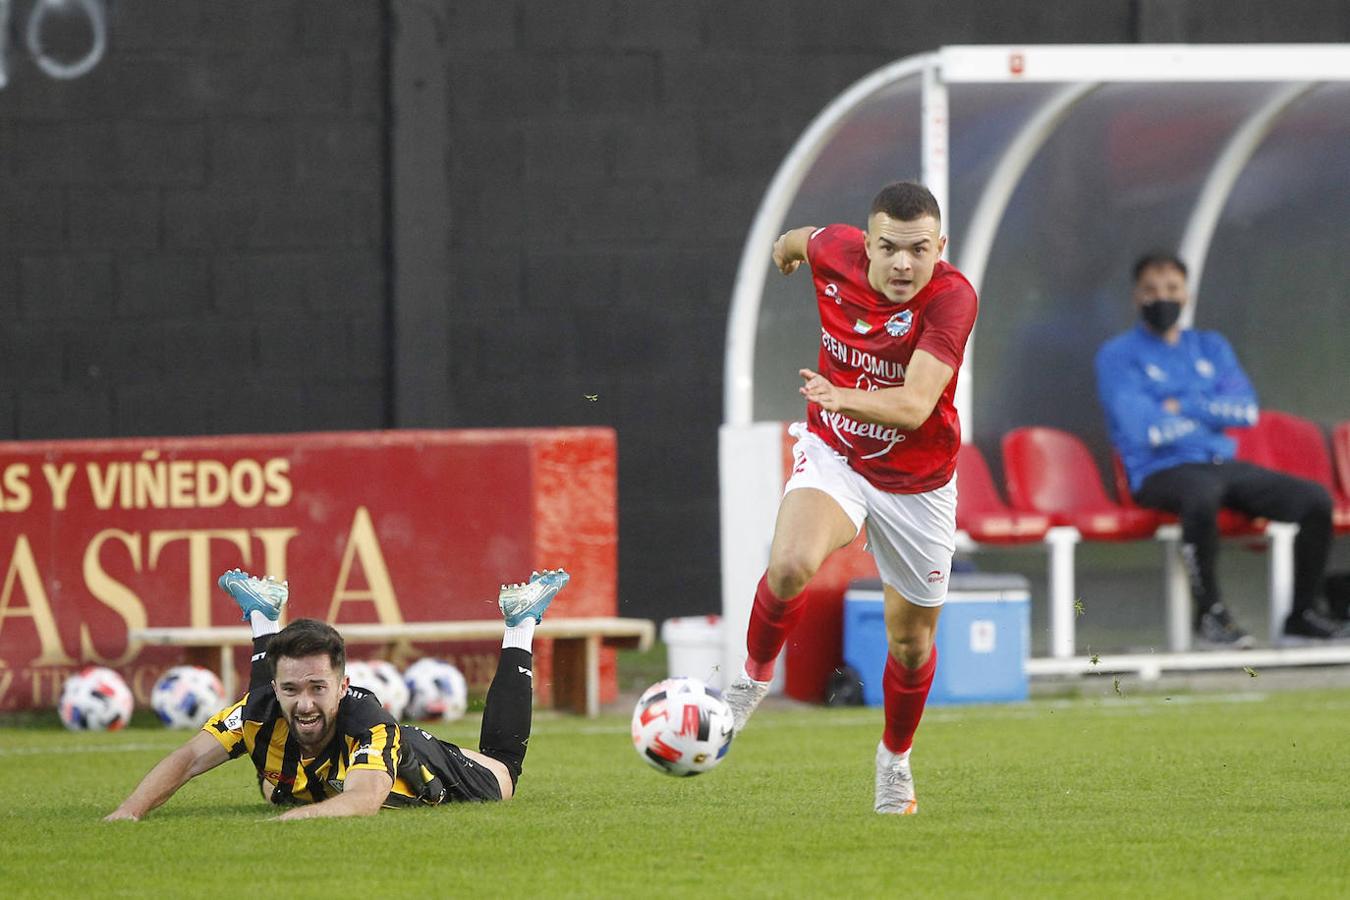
1137 371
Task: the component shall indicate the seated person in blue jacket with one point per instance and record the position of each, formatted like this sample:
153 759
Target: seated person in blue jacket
1168 394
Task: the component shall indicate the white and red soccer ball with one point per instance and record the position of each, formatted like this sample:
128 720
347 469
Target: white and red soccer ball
682 727
95 699
436 690
186 696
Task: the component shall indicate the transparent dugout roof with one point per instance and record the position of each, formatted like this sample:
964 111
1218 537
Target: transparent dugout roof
1122 172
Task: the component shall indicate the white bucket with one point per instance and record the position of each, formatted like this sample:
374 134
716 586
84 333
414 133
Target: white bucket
694 648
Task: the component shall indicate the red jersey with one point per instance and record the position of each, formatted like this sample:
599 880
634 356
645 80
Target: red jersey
866 342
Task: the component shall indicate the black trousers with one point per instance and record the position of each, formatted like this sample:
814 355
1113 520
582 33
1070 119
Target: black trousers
1197 491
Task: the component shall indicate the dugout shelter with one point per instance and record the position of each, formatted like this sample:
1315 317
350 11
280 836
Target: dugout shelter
1056 166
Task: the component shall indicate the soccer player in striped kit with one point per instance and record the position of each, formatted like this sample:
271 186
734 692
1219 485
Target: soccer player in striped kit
323 748
878 446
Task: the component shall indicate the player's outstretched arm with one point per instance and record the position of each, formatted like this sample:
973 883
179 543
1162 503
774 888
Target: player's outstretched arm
789 251
200 754
363 793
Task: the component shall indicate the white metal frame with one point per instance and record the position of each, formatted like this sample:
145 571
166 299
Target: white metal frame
1195 240
1298 68
739 365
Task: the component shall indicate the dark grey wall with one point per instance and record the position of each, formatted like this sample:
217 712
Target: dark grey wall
606 163
192 235
193 238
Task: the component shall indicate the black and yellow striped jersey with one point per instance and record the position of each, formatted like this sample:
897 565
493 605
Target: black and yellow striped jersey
367 737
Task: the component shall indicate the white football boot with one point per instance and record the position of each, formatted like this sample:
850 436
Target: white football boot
895 783
743 695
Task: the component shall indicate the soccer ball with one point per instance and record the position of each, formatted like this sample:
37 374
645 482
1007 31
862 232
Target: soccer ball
382 679
95 699
391 688
436 690
186 696
682 727
361 675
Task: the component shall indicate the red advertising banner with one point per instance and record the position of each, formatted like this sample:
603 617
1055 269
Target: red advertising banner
100 538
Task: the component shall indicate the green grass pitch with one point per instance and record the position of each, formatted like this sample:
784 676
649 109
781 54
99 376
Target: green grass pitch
1242 794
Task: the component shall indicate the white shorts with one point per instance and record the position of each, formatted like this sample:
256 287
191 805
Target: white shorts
911 536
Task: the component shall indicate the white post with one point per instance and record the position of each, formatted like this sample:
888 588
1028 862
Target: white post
750 459
1281 536
936 140
1176 590
1060 542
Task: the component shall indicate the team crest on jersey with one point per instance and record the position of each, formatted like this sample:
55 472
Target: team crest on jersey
1204 367
899 324
832 291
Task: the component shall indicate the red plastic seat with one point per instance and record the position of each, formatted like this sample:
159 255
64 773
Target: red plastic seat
1340 452
1295 446
1122 484
1052 472
980 510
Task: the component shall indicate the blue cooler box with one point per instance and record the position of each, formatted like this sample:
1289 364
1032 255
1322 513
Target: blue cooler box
983 639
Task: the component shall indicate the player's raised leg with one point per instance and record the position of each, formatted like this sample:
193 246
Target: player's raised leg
811 525
261 601
509 708
910 663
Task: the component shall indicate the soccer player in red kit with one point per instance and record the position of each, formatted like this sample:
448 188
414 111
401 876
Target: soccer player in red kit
879 445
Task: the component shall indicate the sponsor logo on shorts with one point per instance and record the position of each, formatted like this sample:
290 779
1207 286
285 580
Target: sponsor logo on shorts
936 577
279 778
524 671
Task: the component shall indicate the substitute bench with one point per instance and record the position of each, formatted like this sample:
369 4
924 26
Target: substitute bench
576 647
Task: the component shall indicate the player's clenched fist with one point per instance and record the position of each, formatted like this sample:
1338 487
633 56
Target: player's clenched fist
783 257
819 391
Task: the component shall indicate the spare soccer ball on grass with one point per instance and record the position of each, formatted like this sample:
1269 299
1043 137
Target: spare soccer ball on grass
436 690
186 696
391 688
383 679
95 699
361 675
682 727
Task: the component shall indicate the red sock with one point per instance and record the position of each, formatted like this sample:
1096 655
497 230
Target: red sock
771 620
904 692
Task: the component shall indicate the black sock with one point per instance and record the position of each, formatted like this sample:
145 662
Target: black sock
508 710
258 672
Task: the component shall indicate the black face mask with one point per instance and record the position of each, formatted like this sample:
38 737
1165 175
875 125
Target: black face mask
1161 314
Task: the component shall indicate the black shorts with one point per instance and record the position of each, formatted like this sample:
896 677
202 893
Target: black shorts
465 780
